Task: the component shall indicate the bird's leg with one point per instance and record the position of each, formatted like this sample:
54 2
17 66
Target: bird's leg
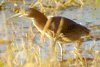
77 51
78 44
60 52
42 38
53 47
94 42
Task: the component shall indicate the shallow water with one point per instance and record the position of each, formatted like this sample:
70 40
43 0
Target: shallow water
21 25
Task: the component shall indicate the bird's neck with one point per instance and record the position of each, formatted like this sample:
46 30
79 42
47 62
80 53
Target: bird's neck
40 20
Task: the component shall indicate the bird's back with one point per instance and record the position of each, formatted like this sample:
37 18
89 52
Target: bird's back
70 29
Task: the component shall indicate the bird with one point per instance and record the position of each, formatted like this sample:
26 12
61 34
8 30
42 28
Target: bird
70 31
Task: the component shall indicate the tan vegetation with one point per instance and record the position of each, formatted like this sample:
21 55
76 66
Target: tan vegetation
27 53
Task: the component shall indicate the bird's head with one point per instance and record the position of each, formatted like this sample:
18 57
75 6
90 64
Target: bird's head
33 13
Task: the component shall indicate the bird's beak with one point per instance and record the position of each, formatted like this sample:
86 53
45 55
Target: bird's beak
23 15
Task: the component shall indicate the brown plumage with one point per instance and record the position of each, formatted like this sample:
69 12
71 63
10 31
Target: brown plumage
70 30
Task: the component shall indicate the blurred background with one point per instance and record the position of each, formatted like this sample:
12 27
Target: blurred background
17 34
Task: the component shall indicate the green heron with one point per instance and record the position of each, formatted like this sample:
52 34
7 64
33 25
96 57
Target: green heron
70 31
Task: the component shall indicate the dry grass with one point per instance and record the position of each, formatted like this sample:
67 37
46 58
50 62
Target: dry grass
28 54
